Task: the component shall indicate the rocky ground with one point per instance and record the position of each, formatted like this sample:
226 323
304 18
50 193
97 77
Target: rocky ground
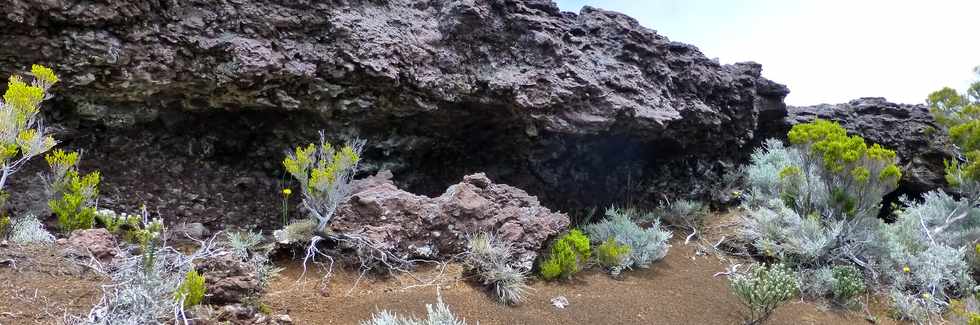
44 283
40 285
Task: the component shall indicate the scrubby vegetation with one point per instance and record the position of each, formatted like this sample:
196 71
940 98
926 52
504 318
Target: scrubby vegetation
762 289
645 245
72 195
324 174
191 291
242 242
29 230
816 203
125 226
848 283
612 255
684 214
145 286
491 260
814 206
4 227
246 246
568 256
811 222
438 314
24 135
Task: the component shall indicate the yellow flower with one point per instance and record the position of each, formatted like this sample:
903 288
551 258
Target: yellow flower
906 269
22 97
287 191
44 74
926 296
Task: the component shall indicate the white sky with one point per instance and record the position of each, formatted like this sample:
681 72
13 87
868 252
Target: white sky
826 51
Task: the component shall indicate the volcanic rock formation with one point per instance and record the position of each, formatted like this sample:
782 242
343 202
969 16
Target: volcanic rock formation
188 105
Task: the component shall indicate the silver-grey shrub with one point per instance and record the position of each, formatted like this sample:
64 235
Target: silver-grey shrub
143 289
778 231
762 174
646 245
491 259
685 214
438 314
917 308
923 253
245 246
816 283
28 230
241 243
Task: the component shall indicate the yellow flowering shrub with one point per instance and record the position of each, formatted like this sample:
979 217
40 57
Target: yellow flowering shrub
854 174
24 136
324 173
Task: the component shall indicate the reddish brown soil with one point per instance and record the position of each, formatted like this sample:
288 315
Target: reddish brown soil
677 290
41 286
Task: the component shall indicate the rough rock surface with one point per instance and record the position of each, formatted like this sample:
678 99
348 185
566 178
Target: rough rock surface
228 280
187 106
420 226
236 314
188 232
99 242
908 129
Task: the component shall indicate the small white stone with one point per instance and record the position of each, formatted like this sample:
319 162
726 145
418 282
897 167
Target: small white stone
559 302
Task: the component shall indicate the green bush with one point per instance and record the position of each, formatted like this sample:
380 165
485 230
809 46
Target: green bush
191 290
762 289
611 254
568 256
4 226
959 114
848 283
72 195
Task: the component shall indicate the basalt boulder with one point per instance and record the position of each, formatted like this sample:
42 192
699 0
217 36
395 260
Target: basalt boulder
229 280
429 227
98 243
187 106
